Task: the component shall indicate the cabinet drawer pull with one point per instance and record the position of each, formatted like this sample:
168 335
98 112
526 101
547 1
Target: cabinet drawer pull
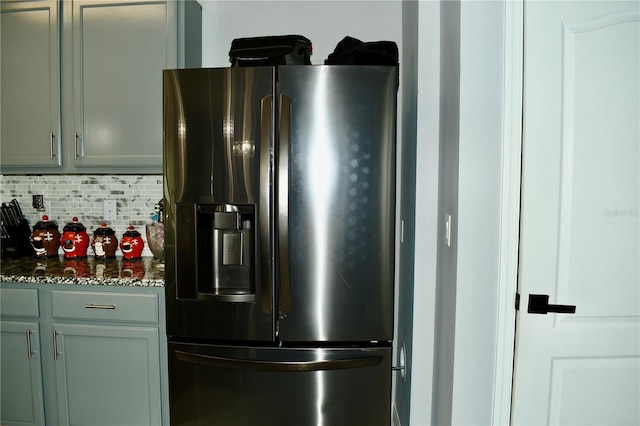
95 306
29 347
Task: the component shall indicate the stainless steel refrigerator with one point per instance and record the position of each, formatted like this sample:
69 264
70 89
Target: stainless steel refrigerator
279 186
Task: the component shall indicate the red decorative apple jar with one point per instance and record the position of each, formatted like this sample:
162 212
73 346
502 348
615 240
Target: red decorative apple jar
131 244
45 238
74 240
104 243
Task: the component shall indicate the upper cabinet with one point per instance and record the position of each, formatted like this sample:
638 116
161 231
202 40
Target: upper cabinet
101 111
30 84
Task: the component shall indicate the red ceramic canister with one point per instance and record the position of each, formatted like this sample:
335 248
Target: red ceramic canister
131 244
74 240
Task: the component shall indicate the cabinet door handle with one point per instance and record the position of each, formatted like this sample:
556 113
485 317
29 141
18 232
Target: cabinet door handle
56 354
75 147
51 138
29 347
94 306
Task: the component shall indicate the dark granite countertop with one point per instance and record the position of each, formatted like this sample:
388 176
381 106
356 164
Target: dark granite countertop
146 272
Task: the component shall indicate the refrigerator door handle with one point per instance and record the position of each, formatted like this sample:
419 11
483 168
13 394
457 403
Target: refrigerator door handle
260 365
264 210
283 202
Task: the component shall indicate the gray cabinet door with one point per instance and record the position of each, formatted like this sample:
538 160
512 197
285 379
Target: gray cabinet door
30 84
21 374
119 51
107 375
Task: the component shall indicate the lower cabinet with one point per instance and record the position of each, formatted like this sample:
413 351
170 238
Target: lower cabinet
107 375
93 355
20 374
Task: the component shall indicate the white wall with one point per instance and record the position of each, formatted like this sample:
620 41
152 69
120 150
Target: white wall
446 270
481 105
407 213
325 23
427 86
459 147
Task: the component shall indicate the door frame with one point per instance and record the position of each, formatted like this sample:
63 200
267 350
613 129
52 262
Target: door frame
509 210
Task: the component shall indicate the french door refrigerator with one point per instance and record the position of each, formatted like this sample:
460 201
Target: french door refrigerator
279 186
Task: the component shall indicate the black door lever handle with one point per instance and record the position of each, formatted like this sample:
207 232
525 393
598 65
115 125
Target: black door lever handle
539 304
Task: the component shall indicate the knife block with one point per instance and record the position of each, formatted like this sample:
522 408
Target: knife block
17 244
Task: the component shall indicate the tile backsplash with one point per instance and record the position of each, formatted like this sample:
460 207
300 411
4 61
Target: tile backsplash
82 196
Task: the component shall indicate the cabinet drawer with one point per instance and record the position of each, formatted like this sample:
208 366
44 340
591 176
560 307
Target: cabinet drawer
19 302
107 306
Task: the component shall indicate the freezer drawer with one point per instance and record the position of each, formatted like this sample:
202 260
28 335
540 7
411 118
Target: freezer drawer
223 385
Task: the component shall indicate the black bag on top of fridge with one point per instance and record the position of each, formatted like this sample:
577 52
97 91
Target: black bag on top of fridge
351 51
270 50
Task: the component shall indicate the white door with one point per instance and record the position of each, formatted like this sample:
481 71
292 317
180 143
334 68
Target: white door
580 215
